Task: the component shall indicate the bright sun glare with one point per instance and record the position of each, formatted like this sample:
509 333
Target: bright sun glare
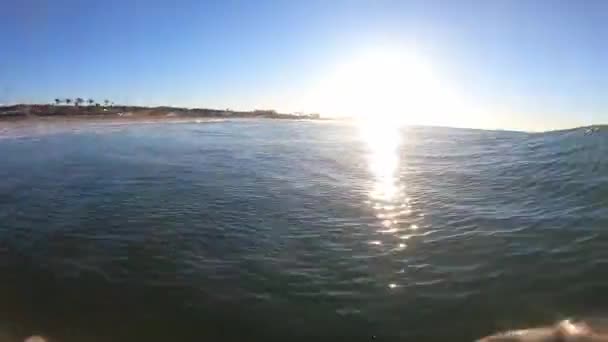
394 86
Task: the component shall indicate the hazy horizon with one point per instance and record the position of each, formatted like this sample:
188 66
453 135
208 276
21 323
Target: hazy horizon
500 65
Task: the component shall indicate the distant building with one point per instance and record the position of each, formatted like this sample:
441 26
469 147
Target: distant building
265 111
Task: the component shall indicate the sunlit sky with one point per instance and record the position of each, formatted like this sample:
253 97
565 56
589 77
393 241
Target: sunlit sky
529 65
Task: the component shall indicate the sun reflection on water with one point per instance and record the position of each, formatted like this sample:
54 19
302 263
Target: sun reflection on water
397 219
383 142
387 195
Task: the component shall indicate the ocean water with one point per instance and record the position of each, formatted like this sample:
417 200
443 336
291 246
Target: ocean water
297 231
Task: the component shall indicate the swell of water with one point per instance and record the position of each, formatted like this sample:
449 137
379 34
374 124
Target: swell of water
261 230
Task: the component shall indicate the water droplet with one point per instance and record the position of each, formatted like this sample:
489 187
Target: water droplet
375 242
392 286
402 245
413 227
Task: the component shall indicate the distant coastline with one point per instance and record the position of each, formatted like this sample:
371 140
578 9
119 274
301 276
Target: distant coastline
589 129
121 112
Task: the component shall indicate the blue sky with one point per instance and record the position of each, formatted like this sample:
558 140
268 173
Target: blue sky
524 64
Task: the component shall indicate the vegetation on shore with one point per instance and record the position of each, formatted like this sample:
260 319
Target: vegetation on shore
79 107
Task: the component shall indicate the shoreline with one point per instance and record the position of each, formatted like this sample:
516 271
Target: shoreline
24 121
41 126
22 126
65 113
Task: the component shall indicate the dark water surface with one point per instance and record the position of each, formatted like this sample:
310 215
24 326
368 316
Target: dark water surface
298 231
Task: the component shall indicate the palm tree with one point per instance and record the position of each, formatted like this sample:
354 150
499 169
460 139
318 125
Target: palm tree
58 102
90 101
68 101
78 101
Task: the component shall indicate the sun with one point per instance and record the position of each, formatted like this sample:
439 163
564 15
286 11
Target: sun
392 85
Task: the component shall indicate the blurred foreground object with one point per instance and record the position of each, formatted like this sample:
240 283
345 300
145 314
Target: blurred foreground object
564 331
35 339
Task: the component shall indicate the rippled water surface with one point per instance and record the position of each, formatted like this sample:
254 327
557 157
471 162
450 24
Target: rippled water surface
297 231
